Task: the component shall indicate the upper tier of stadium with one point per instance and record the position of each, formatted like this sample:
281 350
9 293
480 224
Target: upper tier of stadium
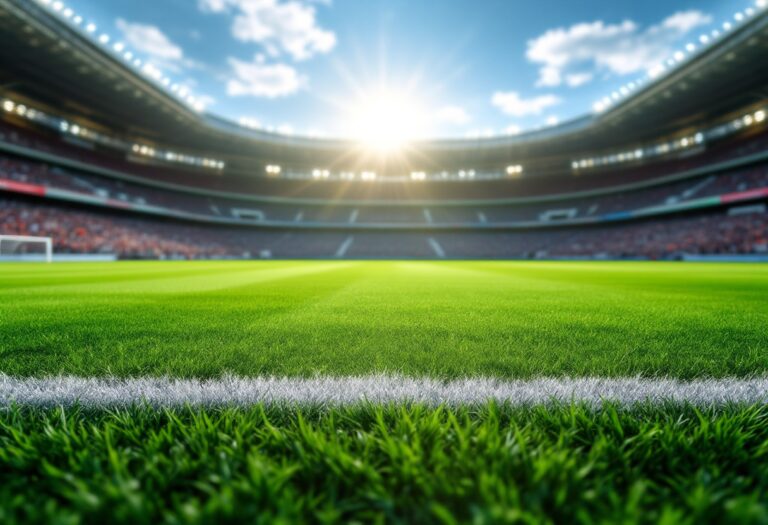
57 80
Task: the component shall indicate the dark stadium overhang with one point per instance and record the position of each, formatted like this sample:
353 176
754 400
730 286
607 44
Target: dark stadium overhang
43 59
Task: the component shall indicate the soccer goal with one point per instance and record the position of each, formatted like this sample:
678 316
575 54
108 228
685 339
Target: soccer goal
25 248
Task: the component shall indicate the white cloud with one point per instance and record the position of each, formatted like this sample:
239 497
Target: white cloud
281 27
454 115
552 120
206 100
512 129
259 79
150 41
512 104
578 79
684 21
622 48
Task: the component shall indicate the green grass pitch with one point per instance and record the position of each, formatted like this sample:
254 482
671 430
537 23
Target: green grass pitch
654 463
451 319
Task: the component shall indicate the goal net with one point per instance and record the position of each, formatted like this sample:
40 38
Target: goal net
25 248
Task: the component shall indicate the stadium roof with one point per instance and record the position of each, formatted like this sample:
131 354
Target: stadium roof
45 59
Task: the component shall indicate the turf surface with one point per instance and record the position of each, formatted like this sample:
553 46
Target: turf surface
450 319
659 463
385 464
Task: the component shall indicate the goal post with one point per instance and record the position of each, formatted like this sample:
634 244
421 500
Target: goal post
12 247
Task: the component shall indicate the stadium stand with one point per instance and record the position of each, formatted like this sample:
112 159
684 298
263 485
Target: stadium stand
117 193
77 231
652 175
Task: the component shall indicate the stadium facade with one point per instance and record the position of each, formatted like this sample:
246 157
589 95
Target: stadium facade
108 156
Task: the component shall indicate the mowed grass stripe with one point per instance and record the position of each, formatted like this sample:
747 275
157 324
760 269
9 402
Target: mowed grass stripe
446 320
101 393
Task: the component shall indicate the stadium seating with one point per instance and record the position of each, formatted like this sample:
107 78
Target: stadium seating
134 236
120 194
254 182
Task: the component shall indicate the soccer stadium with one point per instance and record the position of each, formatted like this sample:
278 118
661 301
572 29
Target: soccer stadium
204 318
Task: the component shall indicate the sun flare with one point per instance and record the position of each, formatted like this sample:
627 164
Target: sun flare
386 121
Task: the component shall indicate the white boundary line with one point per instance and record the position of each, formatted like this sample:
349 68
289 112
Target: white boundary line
229 390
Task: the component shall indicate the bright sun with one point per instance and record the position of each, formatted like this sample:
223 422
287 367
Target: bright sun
387 120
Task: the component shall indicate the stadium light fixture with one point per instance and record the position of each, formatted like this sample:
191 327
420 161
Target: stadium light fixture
760 116
8 105
678 57
68 13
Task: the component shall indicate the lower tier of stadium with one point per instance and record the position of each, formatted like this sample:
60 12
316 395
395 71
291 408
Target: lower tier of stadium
710 211
741 229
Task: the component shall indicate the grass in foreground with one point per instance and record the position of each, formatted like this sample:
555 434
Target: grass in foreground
490 464
448 319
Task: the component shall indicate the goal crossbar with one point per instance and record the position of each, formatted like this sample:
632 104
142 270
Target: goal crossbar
15 240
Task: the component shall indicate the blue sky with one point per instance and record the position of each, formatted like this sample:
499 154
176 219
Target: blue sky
453 68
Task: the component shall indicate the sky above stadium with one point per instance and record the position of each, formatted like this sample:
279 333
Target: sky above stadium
426 68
